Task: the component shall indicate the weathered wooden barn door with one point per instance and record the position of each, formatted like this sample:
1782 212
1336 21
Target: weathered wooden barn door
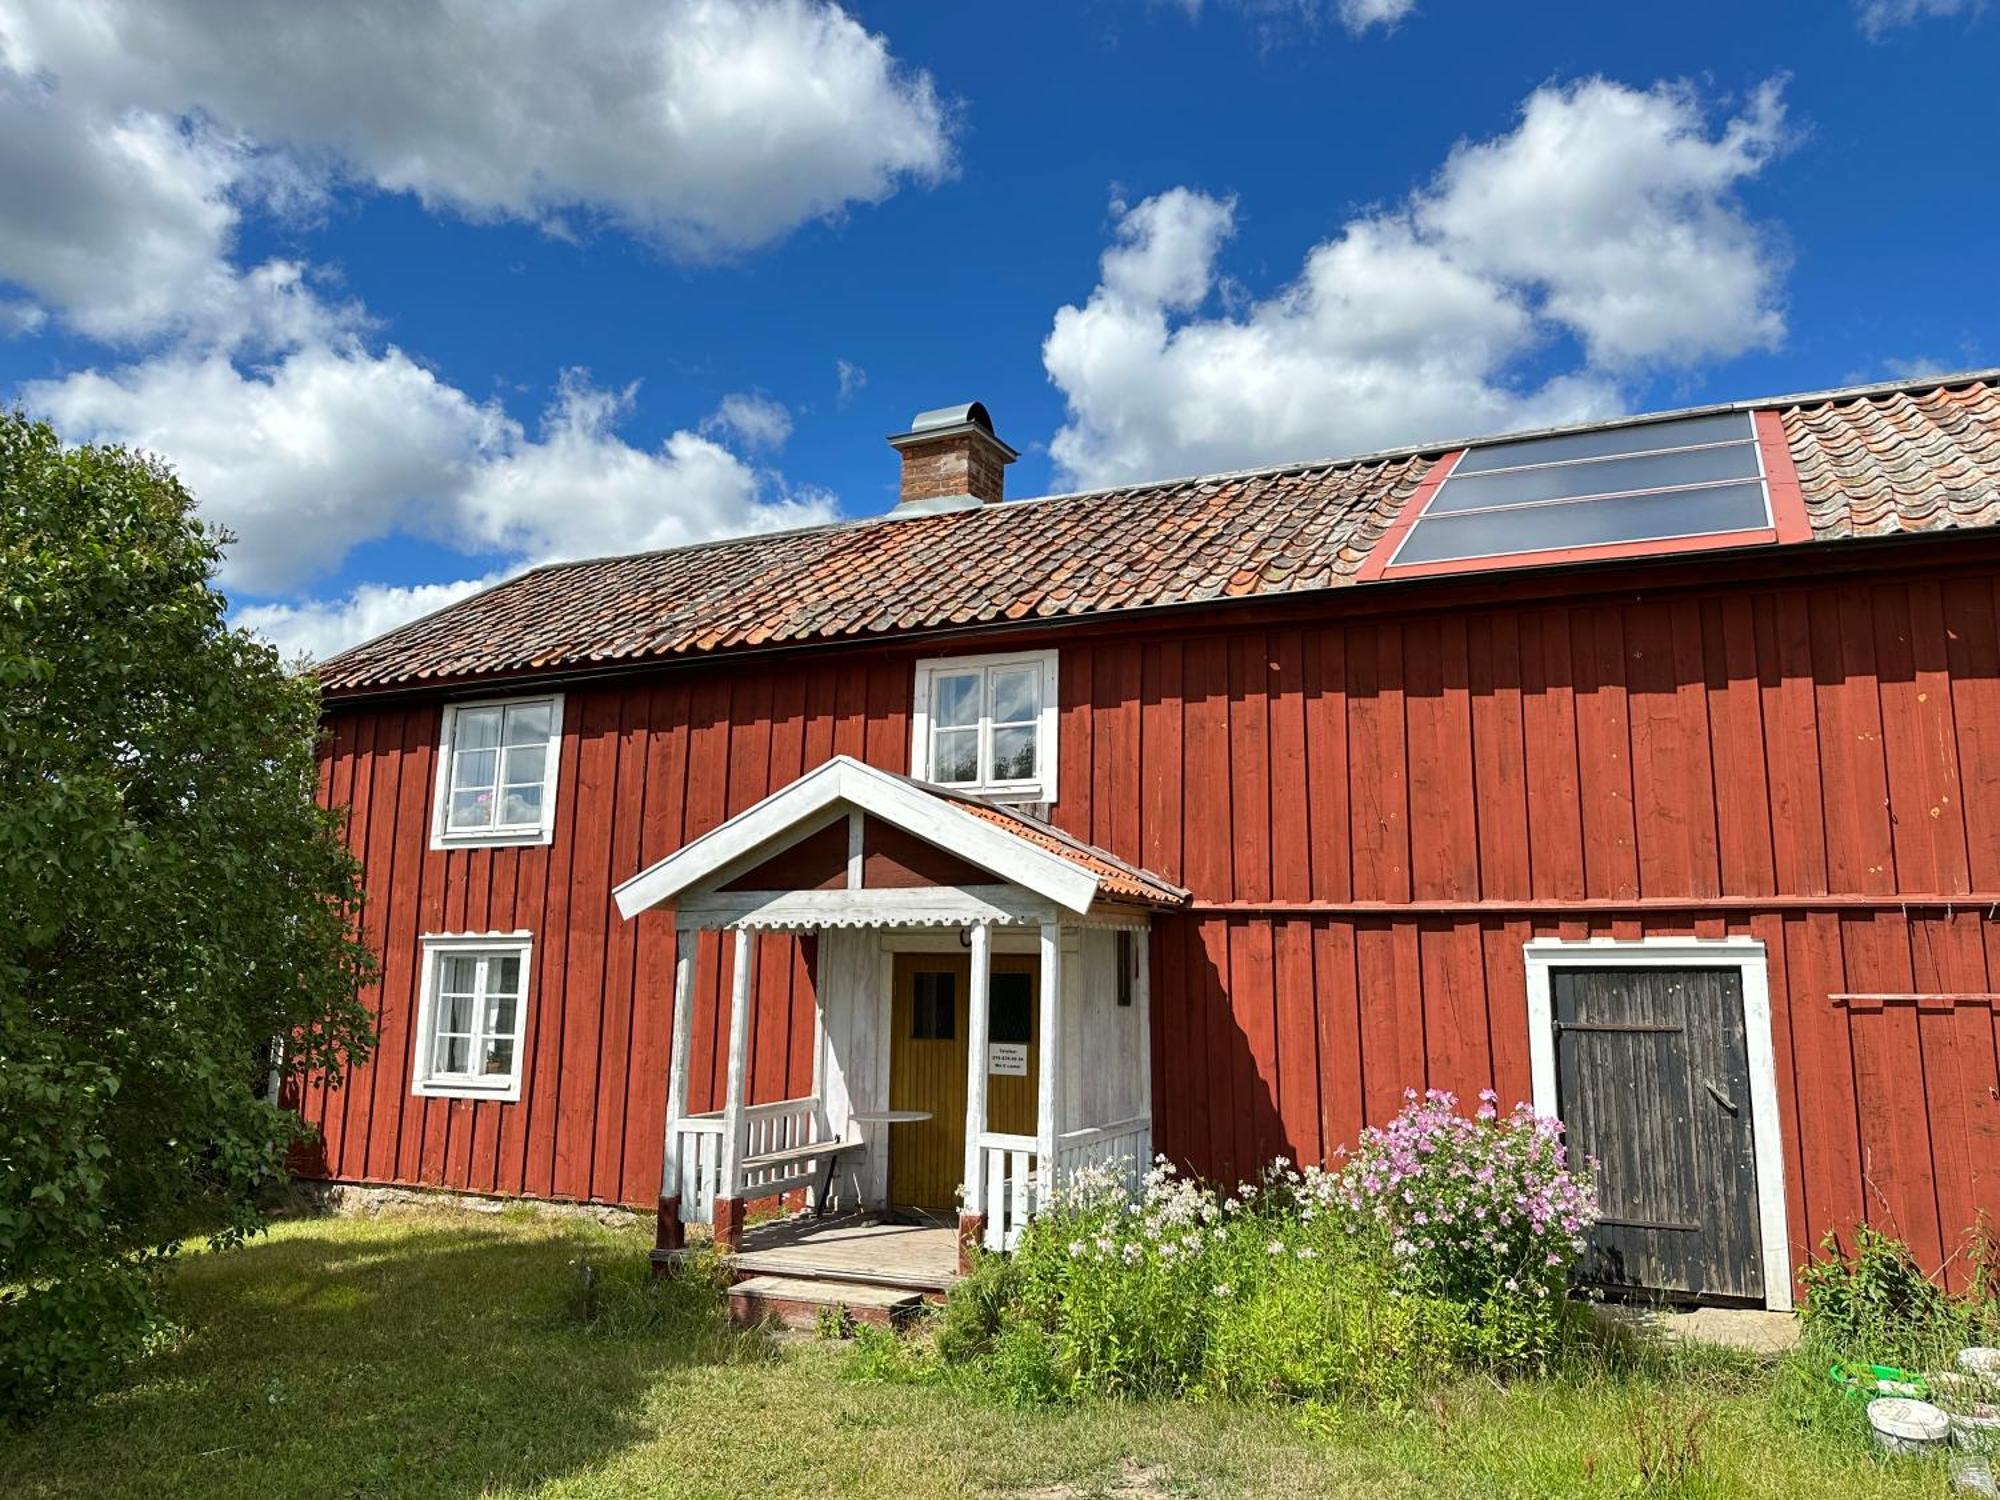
1653 1080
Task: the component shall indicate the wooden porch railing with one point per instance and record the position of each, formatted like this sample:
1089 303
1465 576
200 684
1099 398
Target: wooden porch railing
1012 1186
1125 1144
777 1129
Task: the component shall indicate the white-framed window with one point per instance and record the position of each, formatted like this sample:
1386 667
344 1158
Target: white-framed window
987 724
497 772
472 1014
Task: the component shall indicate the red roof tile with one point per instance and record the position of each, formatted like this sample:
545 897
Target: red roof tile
1870 462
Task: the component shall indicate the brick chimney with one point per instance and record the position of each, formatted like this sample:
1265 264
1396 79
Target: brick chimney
951 460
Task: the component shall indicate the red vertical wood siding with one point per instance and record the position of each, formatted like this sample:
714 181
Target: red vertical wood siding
1373 815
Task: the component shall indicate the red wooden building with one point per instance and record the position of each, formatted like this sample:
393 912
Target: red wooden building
1648 771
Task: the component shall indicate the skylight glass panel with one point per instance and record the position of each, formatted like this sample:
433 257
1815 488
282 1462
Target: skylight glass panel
1655 482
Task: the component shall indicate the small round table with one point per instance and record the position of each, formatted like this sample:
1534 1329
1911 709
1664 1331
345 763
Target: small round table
888 1116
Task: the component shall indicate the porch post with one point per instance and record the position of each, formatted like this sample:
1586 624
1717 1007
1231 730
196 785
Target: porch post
727 1221
1143 941
1048 1106
667 1231
972 1206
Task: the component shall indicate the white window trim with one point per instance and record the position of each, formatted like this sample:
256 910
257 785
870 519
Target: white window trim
436 946
491 838
1042 788
1544 955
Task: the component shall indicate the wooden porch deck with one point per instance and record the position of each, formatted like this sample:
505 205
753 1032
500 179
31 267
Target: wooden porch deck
865 1249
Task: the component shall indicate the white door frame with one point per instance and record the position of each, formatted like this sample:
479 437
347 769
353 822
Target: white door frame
1543 955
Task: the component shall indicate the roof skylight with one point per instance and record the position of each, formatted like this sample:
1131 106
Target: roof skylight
1660 481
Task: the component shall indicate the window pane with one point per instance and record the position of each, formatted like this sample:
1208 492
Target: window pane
955 755
526 765
1017 694
529 723
454 1054
1720 428
522 808
500 1015
1014 753
1639 518
473 809
1602 477
454 1013
503 975
934 1014
1011 1008
499 1056
458 975
476 729
955 699
474 767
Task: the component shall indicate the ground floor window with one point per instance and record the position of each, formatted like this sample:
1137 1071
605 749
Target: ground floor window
470 1015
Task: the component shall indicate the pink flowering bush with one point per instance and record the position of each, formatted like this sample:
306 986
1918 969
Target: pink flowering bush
1441 1245
1485 1211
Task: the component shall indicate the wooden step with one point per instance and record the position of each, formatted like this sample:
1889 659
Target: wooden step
797 1302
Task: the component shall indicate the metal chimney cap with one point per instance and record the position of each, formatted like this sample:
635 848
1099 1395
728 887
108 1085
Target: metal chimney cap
968 418
973 412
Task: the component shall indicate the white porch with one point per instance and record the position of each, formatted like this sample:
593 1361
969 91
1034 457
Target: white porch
911 893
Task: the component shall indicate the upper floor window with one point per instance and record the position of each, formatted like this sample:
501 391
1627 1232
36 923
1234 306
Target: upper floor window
497 784
988 724
470 1014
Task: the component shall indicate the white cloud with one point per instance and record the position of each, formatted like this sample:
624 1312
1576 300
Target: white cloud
708 126
307 458
1358 15
318 628
303 459
1879 17
755 421
1275 19
133 220
1606 215
851 377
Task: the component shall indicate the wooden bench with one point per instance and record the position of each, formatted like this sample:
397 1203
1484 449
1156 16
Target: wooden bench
830 1151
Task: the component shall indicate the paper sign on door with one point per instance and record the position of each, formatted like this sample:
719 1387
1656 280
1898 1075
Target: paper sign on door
1008 1059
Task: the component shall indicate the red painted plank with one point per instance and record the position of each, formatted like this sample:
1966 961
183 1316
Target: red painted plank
1342 1085
1889 1089
1249 769
1444 836
1729 650
1327 787
390 1085
1115 795
1457 1055
1075 686
1972 657
1160 757
1378 765
1604 751
1787 685
1960 1086
607 1159
1854 776
1507 1009
1260 1130
1920 740
1499 760
1298 1059
539 1086
1548 722
1205 866
1291 812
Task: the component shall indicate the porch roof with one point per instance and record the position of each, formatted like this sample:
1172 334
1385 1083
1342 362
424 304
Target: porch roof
1015 848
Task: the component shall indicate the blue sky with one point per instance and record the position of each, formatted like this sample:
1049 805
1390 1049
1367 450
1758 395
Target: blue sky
418 295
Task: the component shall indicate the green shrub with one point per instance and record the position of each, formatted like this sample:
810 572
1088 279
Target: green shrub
1877 1304
1486 1212
1444 1246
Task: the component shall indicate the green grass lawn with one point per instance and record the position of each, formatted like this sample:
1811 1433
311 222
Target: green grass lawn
435 1354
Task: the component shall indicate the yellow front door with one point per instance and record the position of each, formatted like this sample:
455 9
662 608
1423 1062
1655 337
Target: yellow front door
927 1068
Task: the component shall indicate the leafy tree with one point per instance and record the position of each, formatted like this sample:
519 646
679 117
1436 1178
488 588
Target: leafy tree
173 903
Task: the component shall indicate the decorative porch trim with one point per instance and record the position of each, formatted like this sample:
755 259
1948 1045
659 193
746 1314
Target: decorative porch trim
914 906
894 799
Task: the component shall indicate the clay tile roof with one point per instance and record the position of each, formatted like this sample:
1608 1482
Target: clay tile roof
1871 461
1895 461
1116 880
